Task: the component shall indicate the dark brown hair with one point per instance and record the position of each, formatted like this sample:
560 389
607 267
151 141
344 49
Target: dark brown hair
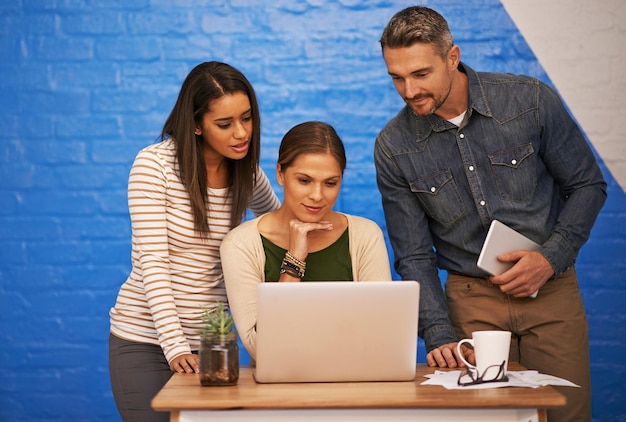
311 138
205 83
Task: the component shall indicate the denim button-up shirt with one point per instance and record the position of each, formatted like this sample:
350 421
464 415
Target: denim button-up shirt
517 157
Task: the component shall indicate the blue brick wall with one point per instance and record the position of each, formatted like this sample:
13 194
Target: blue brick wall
85 85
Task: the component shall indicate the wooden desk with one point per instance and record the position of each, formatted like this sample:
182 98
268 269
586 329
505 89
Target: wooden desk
188 401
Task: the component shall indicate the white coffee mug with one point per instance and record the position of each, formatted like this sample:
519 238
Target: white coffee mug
491 349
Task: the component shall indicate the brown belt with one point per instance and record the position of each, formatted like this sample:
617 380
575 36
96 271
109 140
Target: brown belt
462 274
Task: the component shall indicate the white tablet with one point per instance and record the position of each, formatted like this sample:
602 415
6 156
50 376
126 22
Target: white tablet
502 239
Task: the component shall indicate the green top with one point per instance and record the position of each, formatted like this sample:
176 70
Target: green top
330 264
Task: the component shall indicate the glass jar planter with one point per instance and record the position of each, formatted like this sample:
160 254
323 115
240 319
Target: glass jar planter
219 359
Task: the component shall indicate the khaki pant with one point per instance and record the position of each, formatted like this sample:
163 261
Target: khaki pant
549 333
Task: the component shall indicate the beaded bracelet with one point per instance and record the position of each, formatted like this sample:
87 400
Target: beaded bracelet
289 257
292 266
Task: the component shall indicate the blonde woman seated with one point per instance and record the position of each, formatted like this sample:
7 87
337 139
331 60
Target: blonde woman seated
303 240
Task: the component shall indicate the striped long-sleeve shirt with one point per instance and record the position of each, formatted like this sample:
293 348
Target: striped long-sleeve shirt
175 272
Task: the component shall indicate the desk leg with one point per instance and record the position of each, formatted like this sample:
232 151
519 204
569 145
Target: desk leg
175 416
542 415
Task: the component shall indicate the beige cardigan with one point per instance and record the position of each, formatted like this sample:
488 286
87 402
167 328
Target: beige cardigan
243 264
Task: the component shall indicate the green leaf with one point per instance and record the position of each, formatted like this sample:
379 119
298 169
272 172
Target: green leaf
217 320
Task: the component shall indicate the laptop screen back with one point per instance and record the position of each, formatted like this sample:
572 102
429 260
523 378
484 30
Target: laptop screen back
336 331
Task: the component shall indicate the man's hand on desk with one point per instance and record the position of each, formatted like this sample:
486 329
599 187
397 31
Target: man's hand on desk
445 356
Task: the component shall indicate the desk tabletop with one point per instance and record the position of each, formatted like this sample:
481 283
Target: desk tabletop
184 392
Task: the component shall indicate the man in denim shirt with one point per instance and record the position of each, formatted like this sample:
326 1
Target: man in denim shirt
467 149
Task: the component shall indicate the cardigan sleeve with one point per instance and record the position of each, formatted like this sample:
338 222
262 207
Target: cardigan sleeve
243 262
370 259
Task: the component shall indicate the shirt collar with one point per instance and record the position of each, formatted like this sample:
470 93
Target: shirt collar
477 99
477 102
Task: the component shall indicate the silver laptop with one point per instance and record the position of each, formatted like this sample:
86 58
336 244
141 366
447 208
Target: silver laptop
336 331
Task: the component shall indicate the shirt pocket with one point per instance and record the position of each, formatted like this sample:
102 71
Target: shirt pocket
439 196
514 172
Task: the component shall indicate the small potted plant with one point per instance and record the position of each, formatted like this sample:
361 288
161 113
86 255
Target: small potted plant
219 351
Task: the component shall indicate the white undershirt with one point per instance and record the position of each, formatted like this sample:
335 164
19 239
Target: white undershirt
458 119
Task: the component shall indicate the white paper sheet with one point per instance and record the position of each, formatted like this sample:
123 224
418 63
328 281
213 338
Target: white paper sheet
529 379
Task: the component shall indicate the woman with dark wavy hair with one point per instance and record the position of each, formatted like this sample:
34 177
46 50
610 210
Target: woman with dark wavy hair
184 194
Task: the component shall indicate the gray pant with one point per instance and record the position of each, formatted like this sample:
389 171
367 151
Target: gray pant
549 333
138 371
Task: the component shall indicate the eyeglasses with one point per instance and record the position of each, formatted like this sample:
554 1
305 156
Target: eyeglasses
493 373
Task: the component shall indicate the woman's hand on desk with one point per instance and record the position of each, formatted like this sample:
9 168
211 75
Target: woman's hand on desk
445 356
186 364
